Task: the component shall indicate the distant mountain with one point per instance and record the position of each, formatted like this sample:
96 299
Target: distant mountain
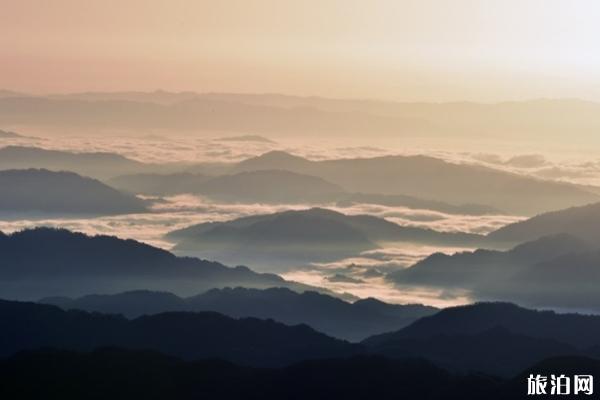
277 159
417 203
330 315
283 115
9 135
11 93
273 186
246 138
276 186
118 374
195 113
431 178
567 281
159 184
48 262
302 236
553 272
193 336
583 222
157 96
472 270
286 238
495 338
97 165
62 193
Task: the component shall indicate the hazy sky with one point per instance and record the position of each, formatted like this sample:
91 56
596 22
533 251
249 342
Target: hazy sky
406 50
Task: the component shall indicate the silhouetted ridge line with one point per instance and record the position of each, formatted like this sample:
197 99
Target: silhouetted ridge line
335 317
183 334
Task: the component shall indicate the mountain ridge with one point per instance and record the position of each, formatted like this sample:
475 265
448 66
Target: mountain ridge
38 262
332 316
65 193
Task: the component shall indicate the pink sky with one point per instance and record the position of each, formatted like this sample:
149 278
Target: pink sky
405 50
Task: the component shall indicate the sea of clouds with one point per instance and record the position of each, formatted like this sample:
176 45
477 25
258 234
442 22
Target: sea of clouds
362 275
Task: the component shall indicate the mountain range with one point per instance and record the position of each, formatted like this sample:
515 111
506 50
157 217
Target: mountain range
491 338
411 181
418 203
118 374
9 135
193 336
43 192
578 330
275 186
471 269
582 222
498 338
45 262
98 165
282 115
189 115
292 237
432 178
554 271
327 314
271 186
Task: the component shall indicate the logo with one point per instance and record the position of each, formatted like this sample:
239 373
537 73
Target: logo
560 385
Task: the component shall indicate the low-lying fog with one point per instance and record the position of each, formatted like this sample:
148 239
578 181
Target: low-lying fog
364 271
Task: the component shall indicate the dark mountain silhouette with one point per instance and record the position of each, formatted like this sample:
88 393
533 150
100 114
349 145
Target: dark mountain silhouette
48 262
290 237
123 374
495 351
473 341
258 186
432 178
9 135
576 330
97 165
497 338
43 191
330 315
192 336
130 304
583 222
111 373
